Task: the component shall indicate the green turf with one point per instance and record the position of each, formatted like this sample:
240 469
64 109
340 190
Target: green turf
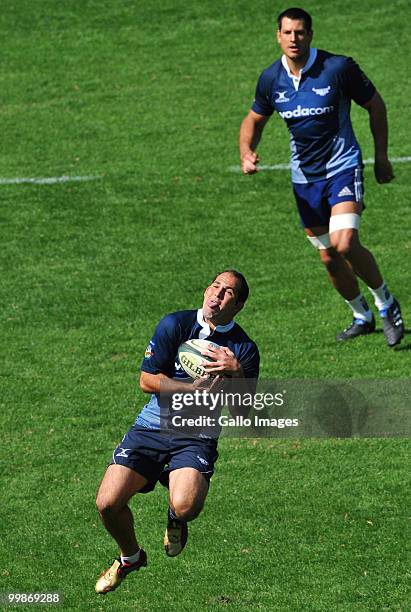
149 98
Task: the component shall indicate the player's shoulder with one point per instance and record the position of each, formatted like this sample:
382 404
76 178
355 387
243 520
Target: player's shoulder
272 72
240 336
177 320
334 61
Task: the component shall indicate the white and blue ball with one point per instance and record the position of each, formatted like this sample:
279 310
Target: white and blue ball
190 357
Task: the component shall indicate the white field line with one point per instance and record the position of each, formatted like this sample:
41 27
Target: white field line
394 160
52 180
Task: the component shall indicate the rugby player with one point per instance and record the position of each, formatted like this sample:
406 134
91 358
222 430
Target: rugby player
150 452
312 91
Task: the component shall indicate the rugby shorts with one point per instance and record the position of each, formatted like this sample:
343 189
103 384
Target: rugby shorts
154 455
315 200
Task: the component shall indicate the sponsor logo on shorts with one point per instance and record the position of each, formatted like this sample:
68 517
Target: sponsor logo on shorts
322 91
202 460
306 112
123 452
281 97
345 191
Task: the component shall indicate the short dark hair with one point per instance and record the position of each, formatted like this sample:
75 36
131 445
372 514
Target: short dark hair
296 13
243 289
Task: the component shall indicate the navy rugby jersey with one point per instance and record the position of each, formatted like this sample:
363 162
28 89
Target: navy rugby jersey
178 327
317 112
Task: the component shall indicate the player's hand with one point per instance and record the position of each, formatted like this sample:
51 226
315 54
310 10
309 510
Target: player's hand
224 361
208 383
383 170
249 163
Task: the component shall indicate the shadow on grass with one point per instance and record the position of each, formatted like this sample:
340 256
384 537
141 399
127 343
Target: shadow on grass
404 347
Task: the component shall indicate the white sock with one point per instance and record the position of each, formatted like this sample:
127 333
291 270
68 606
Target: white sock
132 559
382 297
360 308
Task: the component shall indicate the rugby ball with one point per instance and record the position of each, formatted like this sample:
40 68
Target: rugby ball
190 357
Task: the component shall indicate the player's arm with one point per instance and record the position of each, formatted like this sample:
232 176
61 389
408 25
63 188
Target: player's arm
379 129
250 135
156 383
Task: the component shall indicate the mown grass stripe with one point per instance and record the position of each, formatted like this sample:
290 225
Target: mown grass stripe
50 180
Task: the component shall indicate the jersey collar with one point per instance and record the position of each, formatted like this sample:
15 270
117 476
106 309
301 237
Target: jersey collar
296 79
205 328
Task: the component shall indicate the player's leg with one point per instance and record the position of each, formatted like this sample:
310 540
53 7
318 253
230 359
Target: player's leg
345 282
189 472
314 211
335 234
344 238
188 490
137 465
313 207
119 484
339 271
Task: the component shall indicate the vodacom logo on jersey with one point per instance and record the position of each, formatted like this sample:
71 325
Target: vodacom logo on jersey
306 112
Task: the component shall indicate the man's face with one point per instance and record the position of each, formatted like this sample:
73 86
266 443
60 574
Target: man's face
220 299
294 39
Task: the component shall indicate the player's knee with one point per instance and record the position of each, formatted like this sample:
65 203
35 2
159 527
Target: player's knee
186 511
187 514
103 505
106 506
343 247
329 258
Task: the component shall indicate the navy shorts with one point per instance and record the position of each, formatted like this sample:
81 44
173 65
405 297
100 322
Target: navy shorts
154 455
315 200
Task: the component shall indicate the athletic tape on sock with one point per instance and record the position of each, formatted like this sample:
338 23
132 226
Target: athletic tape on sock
360 308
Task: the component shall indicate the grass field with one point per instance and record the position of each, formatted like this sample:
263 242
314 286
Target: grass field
148 99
